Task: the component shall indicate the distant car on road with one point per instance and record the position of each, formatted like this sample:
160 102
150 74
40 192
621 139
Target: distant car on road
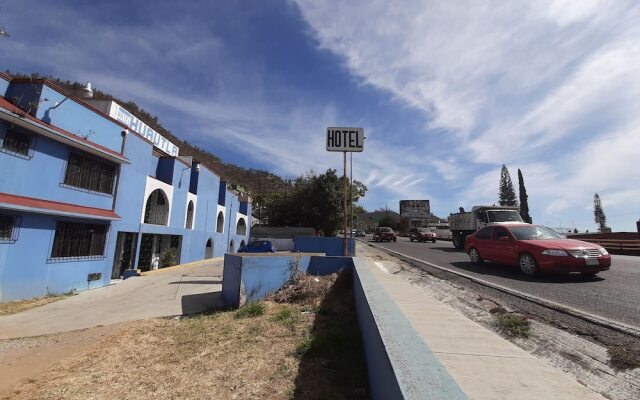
258 246
535 248
384 234
358 233
422 235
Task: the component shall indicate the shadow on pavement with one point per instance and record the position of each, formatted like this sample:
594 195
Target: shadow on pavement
196 282
505 271
449 249
201 302
333 364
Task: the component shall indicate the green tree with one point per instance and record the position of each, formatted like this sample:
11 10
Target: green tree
311 200
598 213
507 192
524 199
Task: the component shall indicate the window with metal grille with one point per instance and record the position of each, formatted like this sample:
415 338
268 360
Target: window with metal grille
8 228
157 209
73 240
16 143
189 224
88 173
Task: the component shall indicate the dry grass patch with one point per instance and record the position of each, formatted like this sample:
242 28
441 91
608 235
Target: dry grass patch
209 356
14 307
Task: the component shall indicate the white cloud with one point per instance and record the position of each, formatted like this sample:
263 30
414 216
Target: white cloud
550 86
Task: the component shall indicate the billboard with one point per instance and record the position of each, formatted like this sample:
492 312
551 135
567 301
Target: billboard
414 209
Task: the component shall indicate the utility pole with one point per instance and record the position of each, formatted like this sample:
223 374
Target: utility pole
344 185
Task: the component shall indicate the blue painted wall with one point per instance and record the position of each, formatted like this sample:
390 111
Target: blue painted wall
25 268
331 246
42 175
4 85
251 277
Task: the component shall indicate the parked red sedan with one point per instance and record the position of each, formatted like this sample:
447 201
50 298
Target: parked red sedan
535 248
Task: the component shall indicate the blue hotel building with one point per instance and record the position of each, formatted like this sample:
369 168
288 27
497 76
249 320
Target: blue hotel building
88 191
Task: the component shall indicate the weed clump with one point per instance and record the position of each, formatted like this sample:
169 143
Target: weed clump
624 357
250 310
512 325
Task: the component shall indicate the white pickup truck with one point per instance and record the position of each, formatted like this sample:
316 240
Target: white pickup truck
464 223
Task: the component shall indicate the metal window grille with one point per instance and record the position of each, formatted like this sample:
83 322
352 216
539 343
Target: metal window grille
189 224
17 143
157 209
73 240
88 173
9 228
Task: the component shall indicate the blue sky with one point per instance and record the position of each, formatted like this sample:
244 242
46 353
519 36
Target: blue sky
447 91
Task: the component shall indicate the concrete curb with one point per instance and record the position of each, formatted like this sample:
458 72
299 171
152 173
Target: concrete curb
400 363
607 323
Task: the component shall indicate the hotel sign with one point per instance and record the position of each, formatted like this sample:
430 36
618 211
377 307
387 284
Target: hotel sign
119 113
345 139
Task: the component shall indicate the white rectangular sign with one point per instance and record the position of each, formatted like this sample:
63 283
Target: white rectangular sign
121 114
345 139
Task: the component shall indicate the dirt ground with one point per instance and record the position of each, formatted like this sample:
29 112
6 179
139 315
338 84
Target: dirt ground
280 350
24 359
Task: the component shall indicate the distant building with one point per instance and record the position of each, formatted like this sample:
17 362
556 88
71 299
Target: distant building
87 191
417 213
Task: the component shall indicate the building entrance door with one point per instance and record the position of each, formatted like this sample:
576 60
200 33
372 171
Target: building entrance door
125 256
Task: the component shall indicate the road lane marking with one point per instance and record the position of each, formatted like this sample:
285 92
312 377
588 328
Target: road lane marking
379 264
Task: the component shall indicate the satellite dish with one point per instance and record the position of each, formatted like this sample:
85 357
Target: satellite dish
87 92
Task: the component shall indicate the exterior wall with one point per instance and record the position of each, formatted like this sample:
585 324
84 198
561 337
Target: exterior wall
26 269
42 175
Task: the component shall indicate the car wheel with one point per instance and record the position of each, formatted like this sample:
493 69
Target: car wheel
589 274
528 265
411 239
475 256
394 239
433 241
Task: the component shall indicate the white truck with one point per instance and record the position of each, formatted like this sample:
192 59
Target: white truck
464 223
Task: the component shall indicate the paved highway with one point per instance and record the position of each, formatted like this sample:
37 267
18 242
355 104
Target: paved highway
613 294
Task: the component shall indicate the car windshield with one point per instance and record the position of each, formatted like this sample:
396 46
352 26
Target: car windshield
422 229
504 216
385 230
533 233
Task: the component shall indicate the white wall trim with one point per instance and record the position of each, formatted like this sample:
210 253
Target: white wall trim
220 209
194 198
151 185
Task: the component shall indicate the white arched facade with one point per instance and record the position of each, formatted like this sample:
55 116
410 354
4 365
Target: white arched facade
154 184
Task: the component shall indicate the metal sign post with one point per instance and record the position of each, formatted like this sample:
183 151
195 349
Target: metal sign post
345 140
345 247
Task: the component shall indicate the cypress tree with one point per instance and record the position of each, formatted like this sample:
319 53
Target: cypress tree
524 199
598 213
507 192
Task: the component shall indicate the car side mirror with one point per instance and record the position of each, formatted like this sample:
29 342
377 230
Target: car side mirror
504 239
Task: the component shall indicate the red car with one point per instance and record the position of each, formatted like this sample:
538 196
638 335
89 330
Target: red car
534 248
422 235
384 234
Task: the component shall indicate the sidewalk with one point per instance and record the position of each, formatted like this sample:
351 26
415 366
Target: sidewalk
185 289
483 364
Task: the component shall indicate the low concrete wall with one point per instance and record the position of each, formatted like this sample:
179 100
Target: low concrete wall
281 244
331 246
399 363
251 277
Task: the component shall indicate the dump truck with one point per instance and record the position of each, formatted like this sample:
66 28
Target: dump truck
465 223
